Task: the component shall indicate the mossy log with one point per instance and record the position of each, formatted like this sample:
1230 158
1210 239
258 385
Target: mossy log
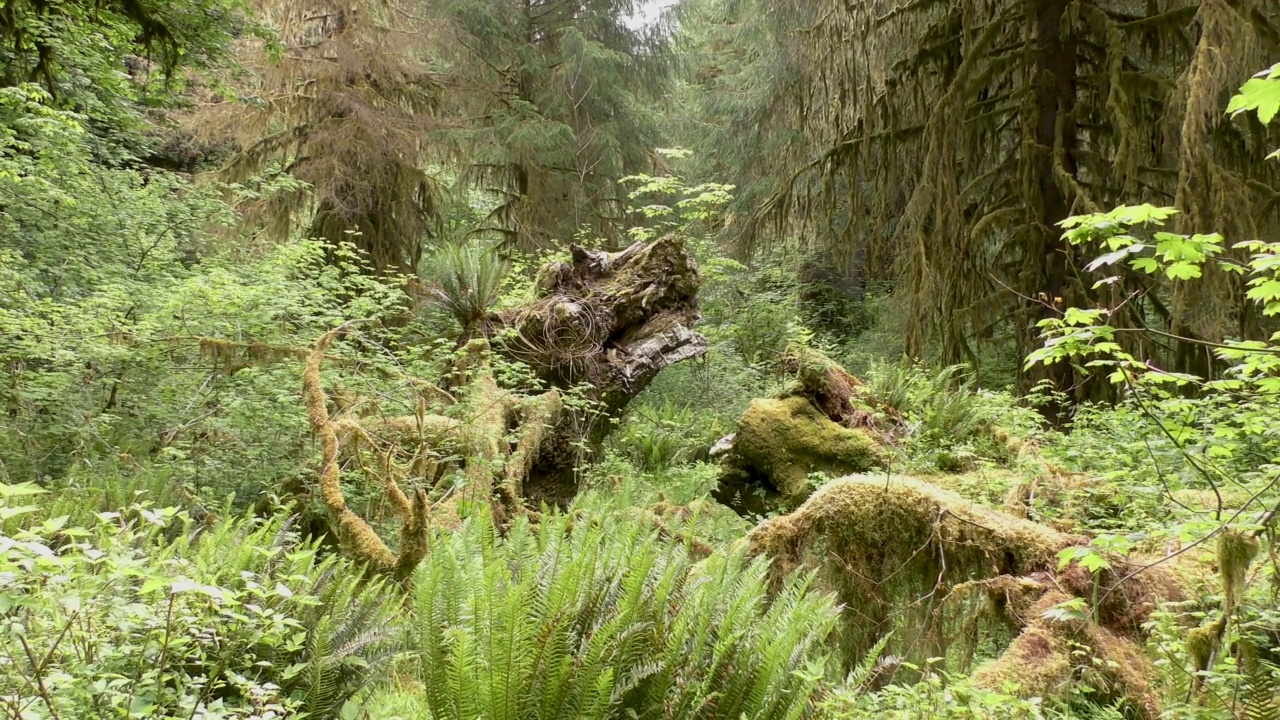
827 421
904 558
609 322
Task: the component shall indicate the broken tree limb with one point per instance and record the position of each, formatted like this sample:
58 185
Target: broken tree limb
402 455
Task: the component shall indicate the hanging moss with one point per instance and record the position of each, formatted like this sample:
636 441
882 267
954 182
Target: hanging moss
1202 643
940 151
1236 550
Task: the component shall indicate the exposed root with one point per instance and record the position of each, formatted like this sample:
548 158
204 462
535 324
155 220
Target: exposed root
1050 657
609 322
356 535
907 557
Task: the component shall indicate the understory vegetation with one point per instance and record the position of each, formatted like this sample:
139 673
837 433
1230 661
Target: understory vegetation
481 359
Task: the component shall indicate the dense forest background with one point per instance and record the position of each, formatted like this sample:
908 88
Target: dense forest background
612 359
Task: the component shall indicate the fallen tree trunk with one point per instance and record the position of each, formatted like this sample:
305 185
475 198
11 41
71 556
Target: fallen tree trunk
607 323
602 326
925 566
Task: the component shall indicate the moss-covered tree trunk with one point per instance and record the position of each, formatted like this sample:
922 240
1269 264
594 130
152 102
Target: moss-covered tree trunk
1051 159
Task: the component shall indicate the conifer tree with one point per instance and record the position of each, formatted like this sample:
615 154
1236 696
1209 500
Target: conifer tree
552 101
946 139
344 103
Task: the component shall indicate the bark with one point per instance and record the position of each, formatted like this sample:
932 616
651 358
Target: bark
608 322
1054 143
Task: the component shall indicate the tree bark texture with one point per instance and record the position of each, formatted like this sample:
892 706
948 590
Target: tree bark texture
606 322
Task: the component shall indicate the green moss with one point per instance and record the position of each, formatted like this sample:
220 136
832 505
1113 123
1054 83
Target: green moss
1202 643
1037 664
786 439
1053 659
1236 550
882 544
988 485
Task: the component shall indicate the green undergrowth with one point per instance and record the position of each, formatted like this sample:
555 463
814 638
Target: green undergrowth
142 612
590 616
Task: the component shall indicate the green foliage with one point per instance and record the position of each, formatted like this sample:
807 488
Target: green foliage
130 339
150 356
953 423
659 435
141 613
104 58
1260 95
466 280
597 617
1183 432
934 696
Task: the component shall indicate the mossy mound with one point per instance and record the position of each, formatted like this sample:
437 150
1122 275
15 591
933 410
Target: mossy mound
892 548
781 440
826 421
934 571
1051 657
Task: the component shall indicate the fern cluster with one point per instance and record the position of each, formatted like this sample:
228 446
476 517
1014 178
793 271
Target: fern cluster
585 619
466 280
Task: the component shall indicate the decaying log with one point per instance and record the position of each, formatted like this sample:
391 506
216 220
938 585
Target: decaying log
922 564
608 322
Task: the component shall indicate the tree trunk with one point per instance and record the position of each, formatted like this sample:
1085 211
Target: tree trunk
1054 144
607 323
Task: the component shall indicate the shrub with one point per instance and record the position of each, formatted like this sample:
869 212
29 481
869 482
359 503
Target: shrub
657 436
141 614
935 696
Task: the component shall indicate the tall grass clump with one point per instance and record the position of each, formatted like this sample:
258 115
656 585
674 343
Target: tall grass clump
579 618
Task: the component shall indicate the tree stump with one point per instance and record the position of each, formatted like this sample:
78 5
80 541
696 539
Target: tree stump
608 322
